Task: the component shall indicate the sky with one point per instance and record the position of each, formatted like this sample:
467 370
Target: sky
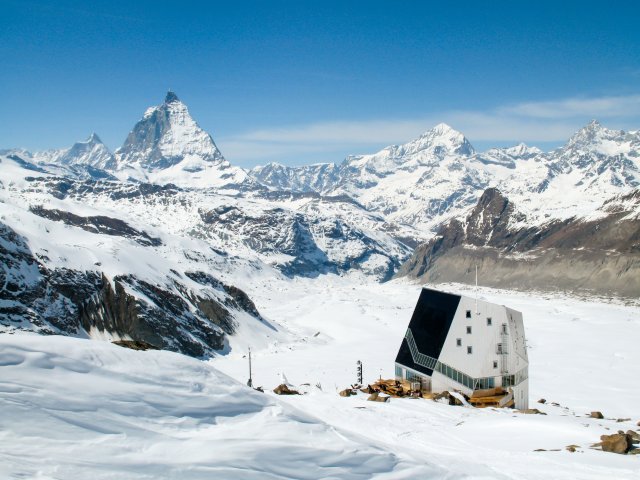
304 82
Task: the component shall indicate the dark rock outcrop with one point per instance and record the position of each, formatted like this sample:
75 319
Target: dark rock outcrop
171 316
165 318
98 224
600 255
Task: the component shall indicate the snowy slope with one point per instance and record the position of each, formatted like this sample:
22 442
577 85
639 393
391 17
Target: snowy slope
80 409
75 409
69 267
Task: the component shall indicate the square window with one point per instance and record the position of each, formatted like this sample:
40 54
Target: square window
468 329
489 321
458 342
468 313
495 364
469 350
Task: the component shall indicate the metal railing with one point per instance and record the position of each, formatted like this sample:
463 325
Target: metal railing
419 358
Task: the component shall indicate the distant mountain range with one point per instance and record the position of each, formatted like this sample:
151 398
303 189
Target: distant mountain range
156 240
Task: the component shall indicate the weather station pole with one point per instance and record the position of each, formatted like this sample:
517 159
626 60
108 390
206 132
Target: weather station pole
250 381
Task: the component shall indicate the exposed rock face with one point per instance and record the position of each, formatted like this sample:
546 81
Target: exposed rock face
600 255
63 301
98 224
34 298
306 245
164 318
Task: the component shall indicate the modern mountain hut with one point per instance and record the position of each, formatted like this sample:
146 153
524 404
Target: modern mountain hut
460 343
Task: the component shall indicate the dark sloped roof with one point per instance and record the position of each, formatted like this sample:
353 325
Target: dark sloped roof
429 325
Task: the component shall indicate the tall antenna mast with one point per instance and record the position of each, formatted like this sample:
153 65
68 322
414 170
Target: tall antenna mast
476 289
250 381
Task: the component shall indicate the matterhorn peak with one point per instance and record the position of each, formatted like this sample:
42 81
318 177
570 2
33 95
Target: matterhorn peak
171 97
167 135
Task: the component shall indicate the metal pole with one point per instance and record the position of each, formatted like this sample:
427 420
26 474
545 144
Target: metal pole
476 289
250 382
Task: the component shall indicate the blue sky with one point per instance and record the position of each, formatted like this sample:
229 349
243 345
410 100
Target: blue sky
301 82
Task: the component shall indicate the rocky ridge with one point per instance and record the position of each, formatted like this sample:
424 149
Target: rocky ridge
599 255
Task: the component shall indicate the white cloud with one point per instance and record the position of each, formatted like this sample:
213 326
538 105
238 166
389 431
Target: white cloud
602 107
531 122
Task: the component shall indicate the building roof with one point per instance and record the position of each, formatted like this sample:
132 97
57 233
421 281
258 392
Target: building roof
429 327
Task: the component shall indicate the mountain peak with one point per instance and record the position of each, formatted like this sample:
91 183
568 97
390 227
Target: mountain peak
171 97
445 139
94 138
166 136
442 128
591 134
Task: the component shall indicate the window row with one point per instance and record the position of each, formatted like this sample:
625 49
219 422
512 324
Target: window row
464 379
489 321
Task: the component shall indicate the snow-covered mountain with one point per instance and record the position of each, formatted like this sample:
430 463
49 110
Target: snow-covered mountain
161 263
363 216
168 146
86 159
439 176
91 152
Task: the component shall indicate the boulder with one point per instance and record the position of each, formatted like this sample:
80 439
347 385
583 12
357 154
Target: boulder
616 443
347 392
542 400
282 389
532 411
620 420
635 436
375 397
596 415
572 448
440 395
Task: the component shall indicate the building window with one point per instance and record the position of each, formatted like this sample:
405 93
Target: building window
458 342
504 328
468 313
469 350
468 329
489 321
495 364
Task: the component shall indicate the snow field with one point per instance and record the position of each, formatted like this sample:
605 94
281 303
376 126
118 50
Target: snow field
583 355
76 408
